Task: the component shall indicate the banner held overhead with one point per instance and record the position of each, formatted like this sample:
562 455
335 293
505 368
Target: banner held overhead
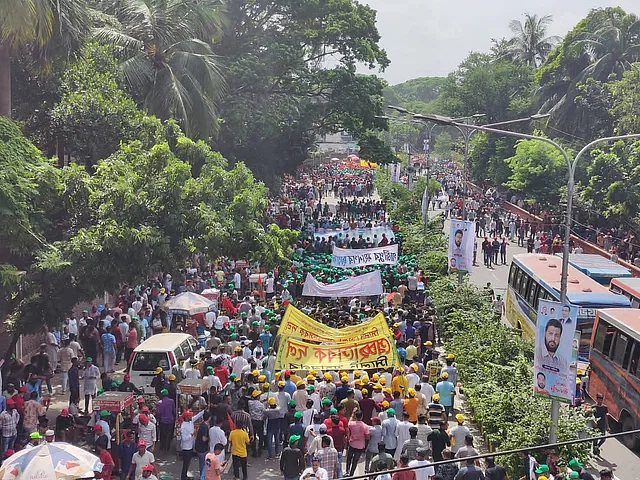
366 285
361 257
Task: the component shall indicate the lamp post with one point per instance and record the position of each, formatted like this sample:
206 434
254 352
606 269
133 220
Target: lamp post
571 164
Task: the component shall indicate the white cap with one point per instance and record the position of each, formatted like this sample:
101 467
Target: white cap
49 433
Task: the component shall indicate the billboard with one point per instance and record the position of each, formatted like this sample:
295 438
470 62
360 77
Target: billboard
461 240
554 358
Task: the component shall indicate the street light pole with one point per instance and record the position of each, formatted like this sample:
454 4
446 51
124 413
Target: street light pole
555 405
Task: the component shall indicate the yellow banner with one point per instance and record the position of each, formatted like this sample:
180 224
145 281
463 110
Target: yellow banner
377 352
296 324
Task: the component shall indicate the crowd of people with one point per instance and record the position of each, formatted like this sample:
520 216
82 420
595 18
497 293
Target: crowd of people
321 425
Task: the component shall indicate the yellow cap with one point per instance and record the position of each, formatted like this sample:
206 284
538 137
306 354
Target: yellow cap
445 375
356 373
278 375
344 379
387 390
255 373
365 378
365 391
313 372
578 380
385 404
450 356
299 383
310 378
396 325
327 376
237 349
436 397
357 382
158 369
460 418
280 384
377 386
265 386
261 378
255 393
375 377
428 343
172 377
383 381
414 367
412 392
272 401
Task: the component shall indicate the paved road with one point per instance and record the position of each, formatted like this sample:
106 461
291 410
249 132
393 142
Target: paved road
614 455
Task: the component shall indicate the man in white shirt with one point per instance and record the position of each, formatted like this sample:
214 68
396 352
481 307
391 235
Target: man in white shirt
72 324
425 473
216 435
269 285
314 471
141 458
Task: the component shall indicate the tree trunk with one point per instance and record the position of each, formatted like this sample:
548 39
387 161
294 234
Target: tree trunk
15 336
5 81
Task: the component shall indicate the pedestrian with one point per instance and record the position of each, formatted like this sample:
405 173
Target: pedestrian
9 421
458 434
187 437
107 462
494 471
239 440
166 416
389 432
600 414
405 474
126 450
423 468
468 450
201 445
470 472
140 459
447 391
292 459
108 350
439 439
358 437
91 375
315 471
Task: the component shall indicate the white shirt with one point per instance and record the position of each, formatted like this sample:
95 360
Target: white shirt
269 283
216 435
141 461
73 326
320 474
422 473
214 382
106 429
186 435
147 432
210 319
90 384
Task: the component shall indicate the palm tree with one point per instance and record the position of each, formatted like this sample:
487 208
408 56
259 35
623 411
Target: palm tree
530 43
167 58
46 27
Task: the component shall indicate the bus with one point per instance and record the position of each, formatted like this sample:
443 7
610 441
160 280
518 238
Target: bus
595 266
629 287
537 276
615 352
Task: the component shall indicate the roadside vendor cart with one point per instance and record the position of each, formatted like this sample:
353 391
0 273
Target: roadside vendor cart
120 405
185 389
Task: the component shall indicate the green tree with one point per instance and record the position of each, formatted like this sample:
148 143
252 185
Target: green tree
285 85
530 43
539 171
94 114
487 155
373 148
626 101
602 46
44 29
167 59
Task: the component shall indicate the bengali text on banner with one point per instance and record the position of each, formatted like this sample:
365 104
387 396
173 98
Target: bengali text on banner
361 257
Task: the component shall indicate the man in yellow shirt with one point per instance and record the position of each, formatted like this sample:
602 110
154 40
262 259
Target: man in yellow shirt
400 384
239 440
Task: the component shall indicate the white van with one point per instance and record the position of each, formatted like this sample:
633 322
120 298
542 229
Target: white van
166 350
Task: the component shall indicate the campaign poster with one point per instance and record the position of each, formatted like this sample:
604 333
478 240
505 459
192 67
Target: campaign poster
395 172
553 363
461 240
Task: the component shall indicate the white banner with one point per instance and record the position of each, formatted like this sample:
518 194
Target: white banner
374 234
553 362
349 258
364 285
461 240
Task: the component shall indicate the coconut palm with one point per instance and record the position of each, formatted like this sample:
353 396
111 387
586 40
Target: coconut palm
530 43
167 57
46 28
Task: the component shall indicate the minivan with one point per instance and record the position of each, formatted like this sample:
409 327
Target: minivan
166 350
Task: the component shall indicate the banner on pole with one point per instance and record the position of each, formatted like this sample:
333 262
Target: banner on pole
296 324
395 172
461 241
553 364
365 285
361 257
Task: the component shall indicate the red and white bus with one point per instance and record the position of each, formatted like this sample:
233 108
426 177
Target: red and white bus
615 354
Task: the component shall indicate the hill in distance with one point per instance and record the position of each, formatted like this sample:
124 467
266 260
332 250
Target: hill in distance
415 94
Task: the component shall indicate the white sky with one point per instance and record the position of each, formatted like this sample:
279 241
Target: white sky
425 38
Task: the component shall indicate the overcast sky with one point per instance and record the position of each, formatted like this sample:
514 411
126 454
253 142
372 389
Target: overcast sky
426 38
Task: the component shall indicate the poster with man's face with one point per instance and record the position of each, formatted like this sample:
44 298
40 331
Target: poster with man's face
461 239
554 367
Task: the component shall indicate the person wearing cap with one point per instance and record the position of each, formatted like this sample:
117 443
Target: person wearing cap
542 471
423 470
389 427
128 386
450 369
9 419
106 428
166 417
34 440
446 390
107 462
292 459
350 404
458 434
605 474
139 460
577 466
91 375
147 431
327 389
147 472
239 440
256 412
274 426
238 362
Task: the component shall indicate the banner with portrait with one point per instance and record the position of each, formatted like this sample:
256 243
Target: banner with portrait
554 361
373 353
461 241
361 257
395 172
302 327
